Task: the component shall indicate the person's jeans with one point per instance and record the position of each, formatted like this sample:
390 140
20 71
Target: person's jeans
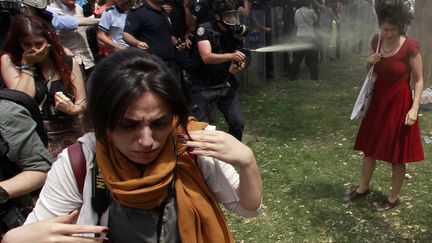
311 59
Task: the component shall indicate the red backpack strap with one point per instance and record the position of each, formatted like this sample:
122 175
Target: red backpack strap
78 163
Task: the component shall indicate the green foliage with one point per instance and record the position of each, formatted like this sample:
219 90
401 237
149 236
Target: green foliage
303 138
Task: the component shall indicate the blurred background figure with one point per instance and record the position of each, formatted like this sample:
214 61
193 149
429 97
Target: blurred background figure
305 18
111 25
148 27
75 39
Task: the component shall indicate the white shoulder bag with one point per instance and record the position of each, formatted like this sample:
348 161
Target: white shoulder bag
363 100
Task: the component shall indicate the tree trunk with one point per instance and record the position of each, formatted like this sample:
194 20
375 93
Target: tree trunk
420 30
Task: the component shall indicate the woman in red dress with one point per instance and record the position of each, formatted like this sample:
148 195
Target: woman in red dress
390 130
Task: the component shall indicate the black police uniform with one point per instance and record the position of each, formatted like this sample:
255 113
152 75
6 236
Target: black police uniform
213 84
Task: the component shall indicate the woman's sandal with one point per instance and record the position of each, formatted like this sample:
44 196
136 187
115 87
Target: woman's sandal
387 205
353 195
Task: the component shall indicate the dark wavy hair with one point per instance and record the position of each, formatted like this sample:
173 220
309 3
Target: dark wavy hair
121 78
23 26
394 12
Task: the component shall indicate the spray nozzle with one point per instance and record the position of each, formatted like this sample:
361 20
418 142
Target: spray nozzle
246 51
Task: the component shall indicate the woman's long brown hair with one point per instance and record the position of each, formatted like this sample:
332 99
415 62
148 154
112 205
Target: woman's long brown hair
23 26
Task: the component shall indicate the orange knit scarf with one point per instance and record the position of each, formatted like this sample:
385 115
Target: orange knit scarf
199 216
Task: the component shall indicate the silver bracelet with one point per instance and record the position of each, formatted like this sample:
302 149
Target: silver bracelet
26 66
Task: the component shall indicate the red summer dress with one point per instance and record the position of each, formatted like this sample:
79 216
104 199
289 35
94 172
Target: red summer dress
382 134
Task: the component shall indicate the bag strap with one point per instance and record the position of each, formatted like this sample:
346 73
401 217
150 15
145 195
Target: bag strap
378 45
100 199
371 70
78 163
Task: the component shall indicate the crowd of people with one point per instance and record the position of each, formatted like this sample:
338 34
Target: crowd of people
133 87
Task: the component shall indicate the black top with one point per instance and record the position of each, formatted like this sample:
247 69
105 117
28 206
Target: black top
221 42
153 27
45 96
177 17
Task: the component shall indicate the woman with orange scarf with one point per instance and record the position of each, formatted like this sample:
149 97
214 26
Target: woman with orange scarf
165 172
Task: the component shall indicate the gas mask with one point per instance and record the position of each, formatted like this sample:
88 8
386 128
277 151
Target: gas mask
230 21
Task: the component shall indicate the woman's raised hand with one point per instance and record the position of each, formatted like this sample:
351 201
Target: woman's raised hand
374 58
34 55
219 145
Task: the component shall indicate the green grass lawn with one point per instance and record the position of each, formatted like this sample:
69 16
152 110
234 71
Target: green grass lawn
303 138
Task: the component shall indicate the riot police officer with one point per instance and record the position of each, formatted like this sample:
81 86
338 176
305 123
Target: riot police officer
215 58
